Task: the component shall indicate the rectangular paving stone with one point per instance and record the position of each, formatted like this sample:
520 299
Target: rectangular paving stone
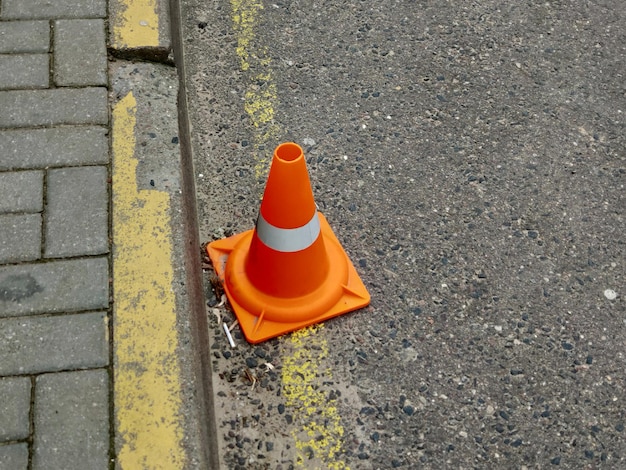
20 237
56 286
48 9
42 148
36 344
24 71
77 217
14 456
71 421
31 108
21 191
14 408
80 55
24 36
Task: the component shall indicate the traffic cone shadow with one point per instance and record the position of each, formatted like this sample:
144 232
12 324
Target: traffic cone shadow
290 271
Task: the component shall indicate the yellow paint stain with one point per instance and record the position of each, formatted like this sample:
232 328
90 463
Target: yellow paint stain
147 385
321 432
262 158
244 16
259 104
320 438
261 96
136 24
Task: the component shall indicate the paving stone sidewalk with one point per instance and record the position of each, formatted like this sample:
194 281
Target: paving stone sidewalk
54 236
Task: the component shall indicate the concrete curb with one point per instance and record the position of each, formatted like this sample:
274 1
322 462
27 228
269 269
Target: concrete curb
163 167
138 30
192 248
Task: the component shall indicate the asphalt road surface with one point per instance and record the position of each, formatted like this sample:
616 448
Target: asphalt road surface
470 157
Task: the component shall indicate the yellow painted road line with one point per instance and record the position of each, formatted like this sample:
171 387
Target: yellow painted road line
321 432
147 384
244 16
321 437
137 24
261 96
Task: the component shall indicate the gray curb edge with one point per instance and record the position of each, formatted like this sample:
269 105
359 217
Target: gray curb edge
199 327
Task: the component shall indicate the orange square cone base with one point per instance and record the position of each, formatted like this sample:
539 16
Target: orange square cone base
263 316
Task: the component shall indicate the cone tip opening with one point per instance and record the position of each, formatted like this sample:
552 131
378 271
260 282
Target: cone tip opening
288 152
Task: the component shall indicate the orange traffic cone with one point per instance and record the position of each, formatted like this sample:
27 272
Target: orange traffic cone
290 271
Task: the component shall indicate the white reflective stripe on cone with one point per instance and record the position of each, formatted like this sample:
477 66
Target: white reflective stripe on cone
288 240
